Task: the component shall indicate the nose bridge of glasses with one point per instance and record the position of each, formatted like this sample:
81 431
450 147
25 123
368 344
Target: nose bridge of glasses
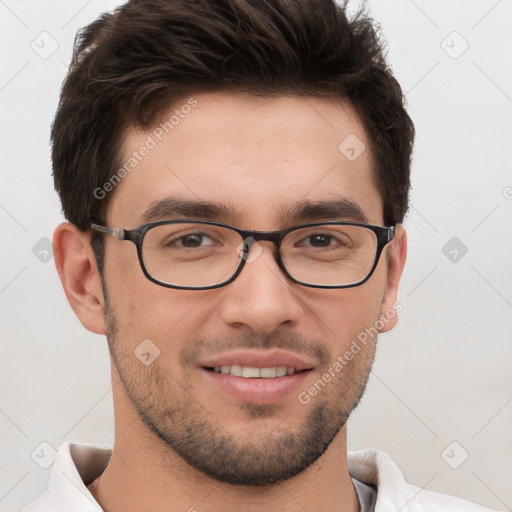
250 251
252 237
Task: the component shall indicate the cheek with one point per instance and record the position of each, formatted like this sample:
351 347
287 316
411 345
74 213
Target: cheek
341 315
171 319
124 278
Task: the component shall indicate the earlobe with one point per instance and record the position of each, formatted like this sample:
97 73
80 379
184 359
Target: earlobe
76 266
396 255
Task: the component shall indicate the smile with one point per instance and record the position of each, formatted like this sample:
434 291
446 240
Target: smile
250 372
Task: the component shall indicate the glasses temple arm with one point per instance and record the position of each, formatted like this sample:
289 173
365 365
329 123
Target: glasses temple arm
115 232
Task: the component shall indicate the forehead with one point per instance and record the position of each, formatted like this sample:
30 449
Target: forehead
256 157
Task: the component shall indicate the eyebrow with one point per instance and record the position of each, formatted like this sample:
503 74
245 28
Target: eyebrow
337 209
304 211
171 207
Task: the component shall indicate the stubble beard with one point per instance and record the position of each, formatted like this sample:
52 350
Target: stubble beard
170 411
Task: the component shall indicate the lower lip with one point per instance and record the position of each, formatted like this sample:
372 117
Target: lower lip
258 390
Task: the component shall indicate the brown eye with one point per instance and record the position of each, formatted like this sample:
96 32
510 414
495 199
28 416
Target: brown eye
320 240
193 240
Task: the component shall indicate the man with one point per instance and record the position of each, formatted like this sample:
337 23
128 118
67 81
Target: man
235 175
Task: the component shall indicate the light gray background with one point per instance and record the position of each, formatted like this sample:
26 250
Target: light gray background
442 375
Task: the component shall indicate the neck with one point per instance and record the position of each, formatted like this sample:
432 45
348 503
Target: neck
153 478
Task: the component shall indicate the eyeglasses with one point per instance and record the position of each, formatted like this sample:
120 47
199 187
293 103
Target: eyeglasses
193 254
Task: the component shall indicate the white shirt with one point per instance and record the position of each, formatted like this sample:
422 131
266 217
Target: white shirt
77 465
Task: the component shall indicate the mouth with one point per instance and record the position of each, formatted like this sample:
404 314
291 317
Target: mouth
255 376
251 372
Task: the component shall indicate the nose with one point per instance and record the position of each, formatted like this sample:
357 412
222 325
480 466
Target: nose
261 298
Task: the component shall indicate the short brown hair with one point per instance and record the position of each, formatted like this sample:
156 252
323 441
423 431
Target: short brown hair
129 65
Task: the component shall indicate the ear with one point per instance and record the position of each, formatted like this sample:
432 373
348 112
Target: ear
396 253
79 275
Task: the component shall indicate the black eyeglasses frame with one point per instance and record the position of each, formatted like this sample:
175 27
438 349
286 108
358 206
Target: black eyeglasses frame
384 235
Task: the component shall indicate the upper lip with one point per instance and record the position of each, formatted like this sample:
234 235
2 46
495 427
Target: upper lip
266 359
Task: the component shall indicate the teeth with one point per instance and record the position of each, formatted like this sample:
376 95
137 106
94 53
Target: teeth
247 371
255 373
236 370
267 373
281 371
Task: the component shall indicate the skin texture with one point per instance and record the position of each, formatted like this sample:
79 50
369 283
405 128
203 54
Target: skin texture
179 441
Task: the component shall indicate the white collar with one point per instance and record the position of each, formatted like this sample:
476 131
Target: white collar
77 465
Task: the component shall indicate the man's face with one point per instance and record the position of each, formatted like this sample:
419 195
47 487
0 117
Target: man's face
260 158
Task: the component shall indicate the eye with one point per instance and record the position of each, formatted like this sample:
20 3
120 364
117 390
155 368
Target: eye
191 241
324 240
318 240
